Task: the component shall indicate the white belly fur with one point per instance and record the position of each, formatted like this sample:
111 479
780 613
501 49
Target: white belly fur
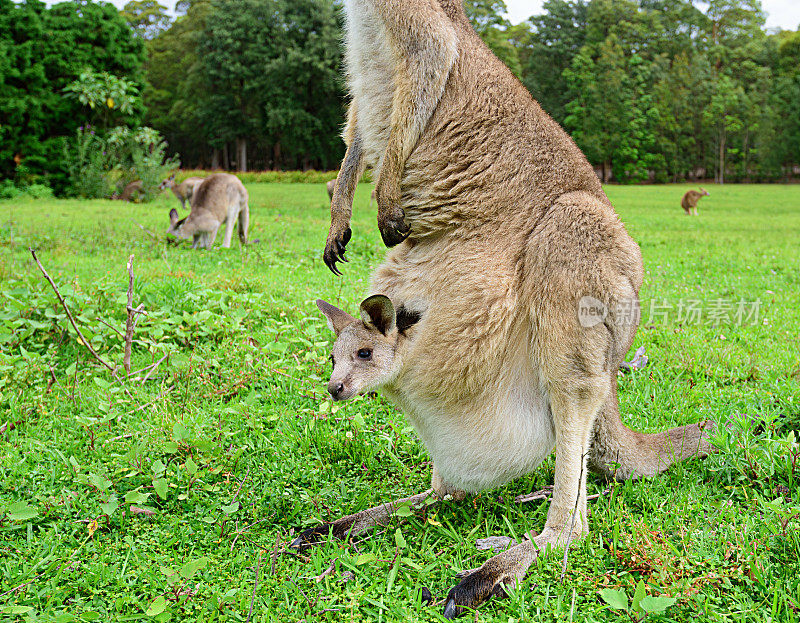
371 77
506 436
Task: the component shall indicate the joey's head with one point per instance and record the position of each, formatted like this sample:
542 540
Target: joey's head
365 354
704 192
176 225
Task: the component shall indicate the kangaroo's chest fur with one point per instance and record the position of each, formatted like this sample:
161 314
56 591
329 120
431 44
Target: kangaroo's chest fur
491 439
371 69
469 383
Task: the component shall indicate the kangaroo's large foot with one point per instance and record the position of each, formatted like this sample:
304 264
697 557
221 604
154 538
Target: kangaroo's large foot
338 237
357 523
506 568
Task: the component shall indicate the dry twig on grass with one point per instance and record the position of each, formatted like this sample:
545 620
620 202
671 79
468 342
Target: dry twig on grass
255 587
126 360
82 339
132 319
147 231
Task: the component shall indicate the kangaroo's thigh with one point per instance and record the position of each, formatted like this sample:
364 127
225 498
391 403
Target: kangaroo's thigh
584 272
230 220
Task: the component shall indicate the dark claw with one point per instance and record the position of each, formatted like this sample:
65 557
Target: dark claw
334 252
425 596
450 609
395 231
310 537
471 591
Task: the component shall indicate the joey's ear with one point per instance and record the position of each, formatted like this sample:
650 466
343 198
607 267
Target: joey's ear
378 311
173 217
337 319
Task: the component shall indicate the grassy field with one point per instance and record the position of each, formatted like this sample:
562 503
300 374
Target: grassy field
169 495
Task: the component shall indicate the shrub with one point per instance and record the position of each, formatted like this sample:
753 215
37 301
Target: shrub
8 190
39 191
139 154
86 160
101 167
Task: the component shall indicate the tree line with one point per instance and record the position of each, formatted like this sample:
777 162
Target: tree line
660 90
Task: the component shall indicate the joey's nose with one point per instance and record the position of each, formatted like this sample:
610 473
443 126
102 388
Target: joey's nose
335 390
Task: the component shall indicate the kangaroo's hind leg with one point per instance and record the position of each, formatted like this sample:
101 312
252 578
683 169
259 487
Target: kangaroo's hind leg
358 523
582 252
371 518
230 220
244 221
574 402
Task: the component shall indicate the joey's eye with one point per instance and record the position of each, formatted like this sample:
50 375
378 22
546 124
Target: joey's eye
365 354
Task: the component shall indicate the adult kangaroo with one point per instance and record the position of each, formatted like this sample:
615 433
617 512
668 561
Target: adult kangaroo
220 198
690 200
498 321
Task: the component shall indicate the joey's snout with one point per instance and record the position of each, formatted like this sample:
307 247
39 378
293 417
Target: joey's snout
336 389
341 389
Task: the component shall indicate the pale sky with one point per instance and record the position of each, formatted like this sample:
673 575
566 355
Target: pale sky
780 13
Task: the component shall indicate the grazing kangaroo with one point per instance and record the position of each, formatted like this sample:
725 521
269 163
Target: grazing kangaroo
182 191
131 189
505 239
690 199
220 198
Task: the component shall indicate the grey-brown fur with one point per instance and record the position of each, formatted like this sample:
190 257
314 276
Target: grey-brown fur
690 199
502 228
132 189
220 198
183 191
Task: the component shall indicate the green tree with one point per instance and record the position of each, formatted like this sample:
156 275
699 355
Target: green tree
487 18
175 94
271 71
46 50
107 95
147 18
786 102
548 48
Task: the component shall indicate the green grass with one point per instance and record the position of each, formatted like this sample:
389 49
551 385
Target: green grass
230 444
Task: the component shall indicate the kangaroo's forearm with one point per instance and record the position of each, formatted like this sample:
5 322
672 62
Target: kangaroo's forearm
350 172
342 200
428 48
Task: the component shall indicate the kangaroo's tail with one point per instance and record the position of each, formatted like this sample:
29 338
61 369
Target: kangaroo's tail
621 453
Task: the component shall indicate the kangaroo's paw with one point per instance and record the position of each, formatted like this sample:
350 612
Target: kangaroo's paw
506 568
487 581
355 524
338 237
393 226
317 535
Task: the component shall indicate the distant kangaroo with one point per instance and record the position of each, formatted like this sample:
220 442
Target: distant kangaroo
220 198
499 321
690 199
131 189
182 191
